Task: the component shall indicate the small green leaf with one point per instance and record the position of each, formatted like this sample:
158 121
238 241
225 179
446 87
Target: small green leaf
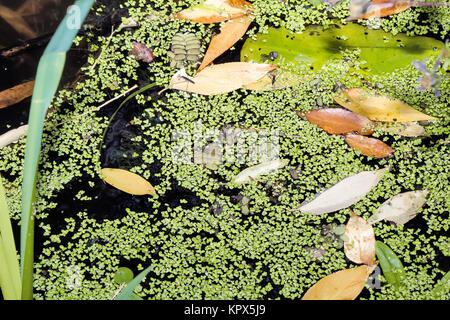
127 292
391 265
122 275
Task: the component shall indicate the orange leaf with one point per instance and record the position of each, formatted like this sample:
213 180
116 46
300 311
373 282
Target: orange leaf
16 94
360 243
214 11
229 34
369 146
341 285
127 181
379 107
340 121
379 8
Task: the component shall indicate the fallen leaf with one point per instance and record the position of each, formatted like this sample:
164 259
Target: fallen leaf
16 94
345 193
141 52
400 208
220 78
253 172
127 181
359 246
341 285
213 11
369 146
12 135
339 121
277 79
379 107
391 265
229 34
377 8
406 129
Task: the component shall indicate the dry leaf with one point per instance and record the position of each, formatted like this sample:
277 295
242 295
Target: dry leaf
377 8
369 146
12 135
229 34
16 94
360 241
400 208
339 121
253 172
345 193
379 107
220 78
213 11
127 181
406 129
341 285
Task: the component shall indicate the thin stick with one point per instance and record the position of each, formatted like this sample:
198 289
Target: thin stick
118 291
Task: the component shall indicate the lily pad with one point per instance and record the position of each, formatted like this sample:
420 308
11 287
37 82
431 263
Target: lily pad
382 51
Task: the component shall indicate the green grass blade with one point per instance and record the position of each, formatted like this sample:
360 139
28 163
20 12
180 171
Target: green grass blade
127 292
9 265
49 73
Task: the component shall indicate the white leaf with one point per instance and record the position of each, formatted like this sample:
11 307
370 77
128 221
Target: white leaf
12 135
400 208
344 193
253 172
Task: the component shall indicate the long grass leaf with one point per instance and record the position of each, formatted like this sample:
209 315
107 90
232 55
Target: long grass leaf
128 290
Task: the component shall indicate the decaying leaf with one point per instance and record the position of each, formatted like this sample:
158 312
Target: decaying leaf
377 8
339 121
141 52
277 79
127 181
12 135
253 172
405 129
360 241
342 285
213 11
229 34
345 193
220 78
369 146
400 208
379 107
16 94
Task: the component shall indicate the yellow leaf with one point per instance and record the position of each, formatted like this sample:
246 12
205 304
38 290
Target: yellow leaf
229 34
213 11
360 243
342 285
127 181
379 107
220 78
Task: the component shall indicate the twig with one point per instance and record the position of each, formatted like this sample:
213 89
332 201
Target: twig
107 45
118 291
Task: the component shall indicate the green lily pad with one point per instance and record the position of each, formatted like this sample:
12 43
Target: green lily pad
382 51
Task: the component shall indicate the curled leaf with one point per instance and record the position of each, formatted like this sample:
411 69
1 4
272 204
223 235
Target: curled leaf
400 208
391 265
213 11
127 181
229 34
359 245
16 94
341 285
12 135
340 121
345 193
251 173
379 107
369 146
141 52
220 78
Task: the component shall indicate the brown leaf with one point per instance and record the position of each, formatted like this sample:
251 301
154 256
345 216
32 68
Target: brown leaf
379 107
214 11
360 243
127 181
16 94
369 146
340 121
220 78
378 8
141 52
341 285
229 34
